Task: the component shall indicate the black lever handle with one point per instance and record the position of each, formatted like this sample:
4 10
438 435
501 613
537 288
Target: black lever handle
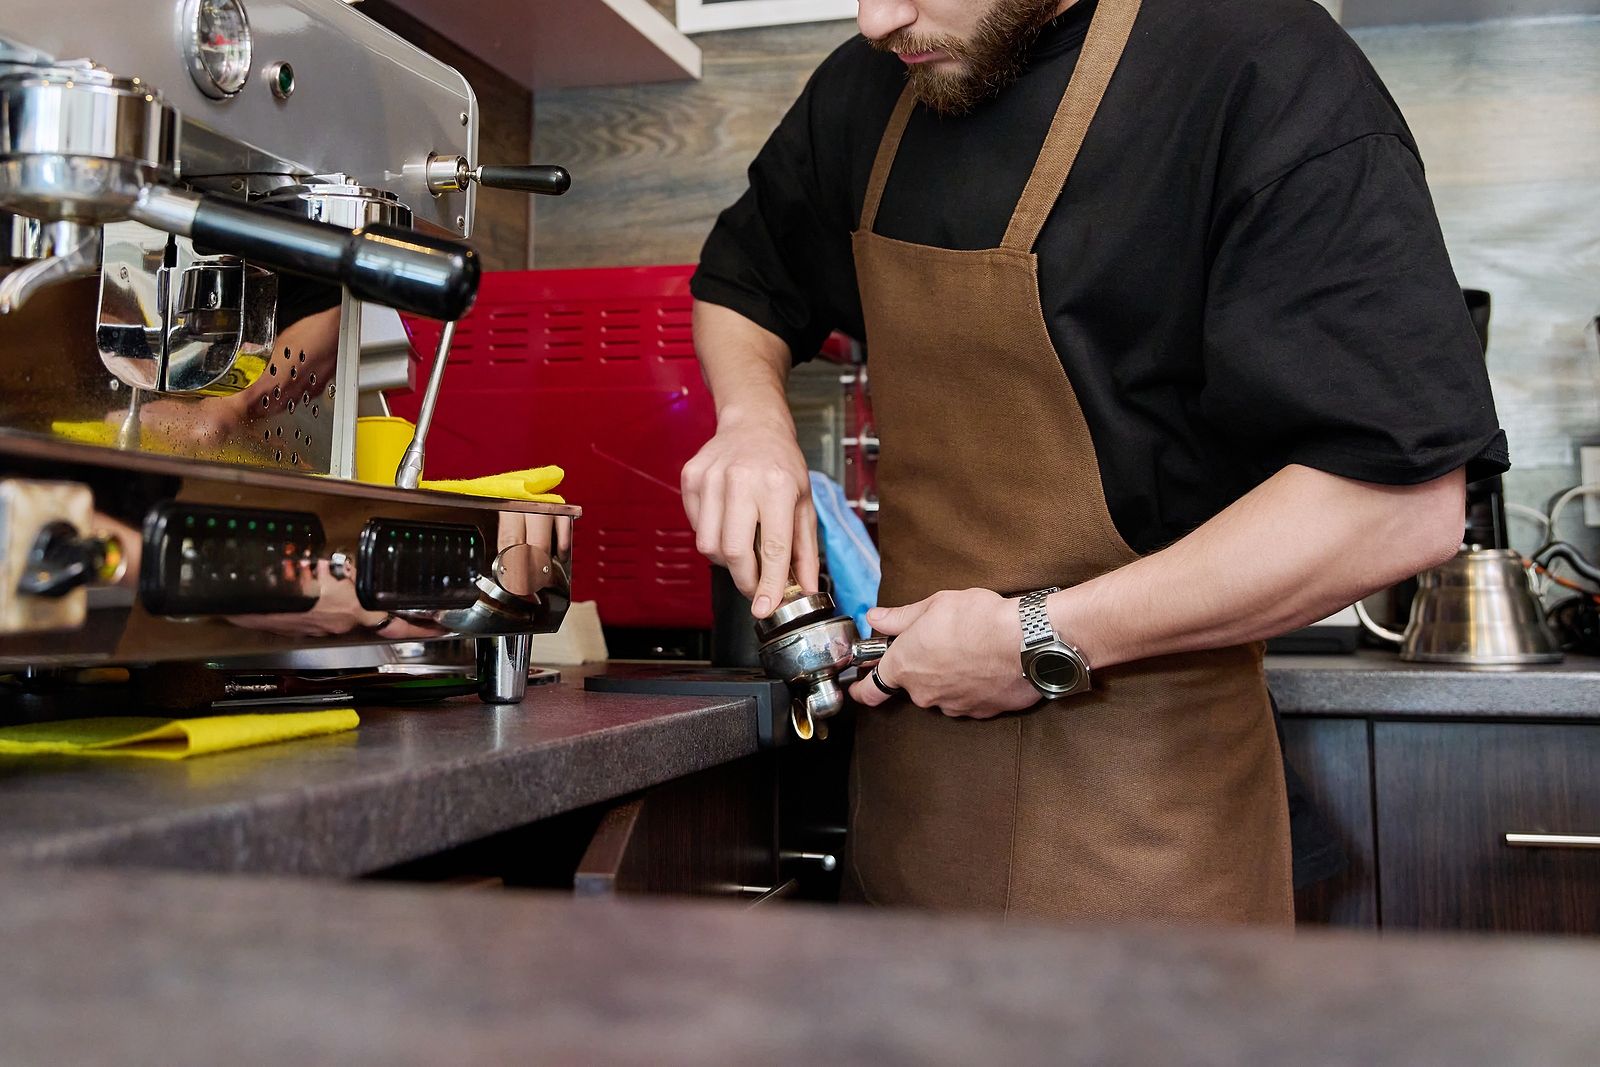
550 181
61 561
381 264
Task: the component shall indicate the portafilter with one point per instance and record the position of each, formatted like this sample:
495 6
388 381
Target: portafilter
808 644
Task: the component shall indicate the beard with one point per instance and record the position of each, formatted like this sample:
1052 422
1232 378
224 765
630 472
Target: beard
988 61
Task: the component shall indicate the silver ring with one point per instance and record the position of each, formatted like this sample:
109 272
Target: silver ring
883 687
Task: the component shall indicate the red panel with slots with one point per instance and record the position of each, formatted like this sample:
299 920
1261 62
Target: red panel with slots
594 371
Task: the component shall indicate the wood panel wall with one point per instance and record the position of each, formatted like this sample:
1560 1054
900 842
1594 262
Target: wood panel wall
652 165
505 134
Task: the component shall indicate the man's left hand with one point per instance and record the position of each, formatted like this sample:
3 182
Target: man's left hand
959 652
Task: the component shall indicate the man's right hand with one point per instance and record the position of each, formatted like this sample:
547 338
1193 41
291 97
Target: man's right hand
752 476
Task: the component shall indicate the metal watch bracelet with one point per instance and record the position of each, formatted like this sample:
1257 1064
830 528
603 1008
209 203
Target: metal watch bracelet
1035 612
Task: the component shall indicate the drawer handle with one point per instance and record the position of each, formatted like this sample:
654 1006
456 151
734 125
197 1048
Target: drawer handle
1553 840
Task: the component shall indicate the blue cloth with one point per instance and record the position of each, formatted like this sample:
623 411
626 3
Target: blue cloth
852 557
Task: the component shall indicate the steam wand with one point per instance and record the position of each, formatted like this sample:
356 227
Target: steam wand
410 472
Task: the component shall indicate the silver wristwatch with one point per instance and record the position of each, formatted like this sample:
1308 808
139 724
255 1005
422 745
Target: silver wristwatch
1055 668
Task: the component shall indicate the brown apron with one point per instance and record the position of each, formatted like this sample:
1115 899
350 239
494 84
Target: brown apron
1160 795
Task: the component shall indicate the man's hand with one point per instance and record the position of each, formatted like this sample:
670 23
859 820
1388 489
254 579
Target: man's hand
752 475
960 652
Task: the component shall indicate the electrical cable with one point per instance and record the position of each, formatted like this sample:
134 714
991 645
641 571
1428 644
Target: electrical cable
1523 511
1563 500
1569 555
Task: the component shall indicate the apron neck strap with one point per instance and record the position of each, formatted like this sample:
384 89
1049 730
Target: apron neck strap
1108 36
888 148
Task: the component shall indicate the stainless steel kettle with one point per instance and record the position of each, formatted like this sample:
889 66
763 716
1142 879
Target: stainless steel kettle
1477 610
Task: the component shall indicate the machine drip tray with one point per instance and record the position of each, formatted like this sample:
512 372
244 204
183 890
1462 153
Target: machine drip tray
772 698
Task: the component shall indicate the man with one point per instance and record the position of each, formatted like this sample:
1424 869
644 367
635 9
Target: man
1167 358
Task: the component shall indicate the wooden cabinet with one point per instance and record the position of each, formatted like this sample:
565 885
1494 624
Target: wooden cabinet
1447 795
1423 809
712 834
1333 758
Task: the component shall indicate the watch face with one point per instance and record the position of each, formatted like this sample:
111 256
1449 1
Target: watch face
1054 672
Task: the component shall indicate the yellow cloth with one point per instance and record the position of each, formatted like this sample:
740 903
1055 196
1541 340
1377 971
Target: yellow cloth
533 484
170 738
88 433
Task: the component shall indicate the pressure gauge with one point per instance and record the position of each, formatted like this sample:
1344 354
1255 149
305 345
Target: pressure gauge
216 42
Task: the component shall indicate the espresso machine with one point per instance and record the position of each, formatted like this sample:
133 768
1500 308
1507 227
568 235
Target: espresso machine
197 197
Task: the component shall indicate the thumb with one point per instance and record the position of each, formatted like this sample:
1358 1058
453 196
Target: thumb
896 621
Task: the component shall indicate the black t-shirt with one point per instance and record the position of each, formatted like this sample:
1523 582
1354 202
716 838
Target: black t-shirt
1244 271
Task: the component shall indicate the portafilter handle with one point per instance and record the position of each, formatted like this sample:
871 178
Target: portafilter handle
381 264
870 650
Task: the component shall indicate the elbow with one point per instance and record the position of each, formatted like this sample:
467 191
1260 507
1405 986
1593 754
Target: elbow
1433 524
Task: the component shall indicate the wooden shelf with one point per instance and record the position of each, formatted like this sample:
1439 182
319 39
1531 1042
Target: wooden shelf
553 44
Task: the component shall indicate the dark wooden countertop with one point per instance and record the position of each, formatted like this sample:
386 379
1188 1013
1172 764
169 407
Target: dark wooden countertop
409 782
1378 684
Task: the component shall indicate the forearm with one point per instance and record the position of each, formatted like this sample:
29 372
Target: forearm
1299 547
751 476
746 367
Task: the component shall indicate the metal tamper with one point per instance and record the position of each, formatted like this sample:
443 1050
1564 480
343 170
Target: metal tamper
807 643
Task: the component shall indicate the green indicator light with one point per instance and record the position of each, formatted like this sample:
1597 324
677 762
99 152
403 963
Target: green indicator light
211 523
189 522
408 535
272 527
252 525
233 524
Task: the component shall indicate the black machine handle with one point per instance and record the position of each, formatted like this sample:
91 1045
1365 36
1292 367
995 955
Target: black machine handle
385 265
547 180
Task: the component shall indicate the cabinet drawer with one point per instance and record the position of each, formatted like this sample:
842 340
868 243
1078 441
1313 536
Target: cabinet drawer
1447 796
712 834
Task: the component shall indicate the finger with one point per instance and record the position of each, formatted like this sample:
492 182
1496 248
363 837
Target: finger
739 518
807 564
776 533
895 621
865 691
708 520
689 484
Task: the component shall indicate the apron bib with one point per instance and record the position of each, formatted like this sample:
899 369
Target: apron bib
1160 794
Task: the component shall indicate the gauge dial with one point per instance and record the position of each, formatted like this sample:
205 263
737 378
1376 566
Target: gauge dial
217 44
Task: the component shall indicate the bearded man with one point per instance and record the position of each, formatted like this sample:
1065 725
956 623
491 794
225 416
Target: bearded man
1167 358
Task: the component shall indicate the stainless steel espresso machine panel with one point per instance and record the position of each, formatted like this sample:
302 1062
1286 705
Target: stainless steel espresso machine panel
196 199
364 102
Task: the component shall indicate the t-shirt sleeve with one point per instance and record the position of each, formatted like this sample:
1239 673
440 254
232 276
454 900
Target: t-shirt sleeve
1336 334
780 256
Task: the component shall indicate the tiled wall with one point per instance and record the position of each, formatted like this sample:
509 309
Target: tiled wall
1507 114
